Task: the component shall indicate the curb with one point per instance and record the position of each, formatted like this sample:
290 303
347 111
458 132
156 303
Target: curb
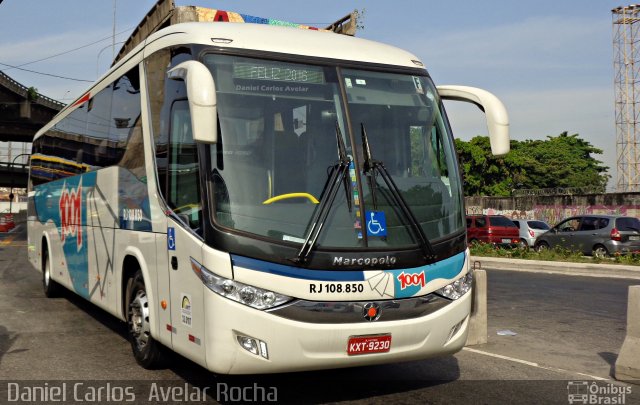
627 367
565 268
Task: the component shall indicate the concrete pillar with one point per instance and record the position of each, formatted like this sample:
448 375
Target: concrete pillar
628 362
478 319
25 109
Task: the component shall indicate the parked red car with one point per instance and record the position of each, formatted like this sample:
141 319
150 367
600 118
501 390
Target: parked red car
495 229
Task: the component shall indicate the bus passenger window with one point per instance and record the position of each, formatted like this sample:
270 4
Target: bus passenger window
184 186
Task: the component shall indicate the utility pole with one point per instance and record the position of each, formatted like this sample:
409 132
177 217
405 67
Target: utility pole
113 36
11 195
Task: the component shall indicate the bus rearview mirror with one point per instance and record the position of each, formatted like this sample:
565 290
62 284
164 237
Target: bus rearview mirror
201 92
497 117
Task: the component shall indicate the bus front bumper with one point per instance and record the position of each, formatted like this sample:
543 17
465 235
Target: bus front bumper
291 345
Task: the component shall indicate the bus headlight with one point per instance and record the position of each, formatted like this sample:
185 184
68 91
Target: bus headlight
254 297
458 288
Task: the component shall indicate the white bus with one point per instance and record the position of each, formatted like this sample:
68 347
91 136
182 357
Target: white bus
261 199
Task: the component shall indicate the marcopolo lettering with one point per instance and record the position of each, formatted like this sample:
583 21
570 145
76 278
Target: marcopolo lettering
364 261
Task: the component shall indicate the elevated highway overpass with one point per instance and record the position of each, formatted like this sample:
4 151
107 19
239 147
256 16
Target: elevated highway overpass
23 111
15 175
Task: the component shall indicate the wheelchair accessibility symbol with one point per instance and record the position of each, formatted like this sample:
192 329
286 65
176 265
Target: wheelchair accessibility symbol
171 238
376 223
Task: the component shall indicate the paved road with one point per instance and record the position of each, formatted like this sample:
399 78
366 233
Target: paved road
568 329
575 323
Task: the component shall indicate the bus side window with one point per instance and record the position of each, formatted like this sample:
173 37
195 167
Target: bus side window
184 185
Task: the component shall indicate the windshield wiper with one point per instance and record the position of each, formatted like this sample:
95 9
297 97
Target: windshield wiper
328 196
371 167
344 159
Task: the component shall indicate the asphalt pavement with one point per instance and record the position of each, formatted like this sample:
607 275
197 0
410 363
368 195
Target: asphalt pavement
550 336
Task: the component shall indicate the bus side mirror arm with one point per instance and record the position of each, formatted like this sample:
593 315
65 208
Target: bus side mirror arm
497 117
201 92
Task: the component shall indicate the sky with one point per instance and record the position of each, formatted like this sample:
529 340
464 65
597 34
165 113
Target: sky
550 62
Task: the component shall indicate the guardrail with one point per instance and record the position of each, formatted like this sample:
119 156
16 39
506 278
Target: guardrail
23 91
17 166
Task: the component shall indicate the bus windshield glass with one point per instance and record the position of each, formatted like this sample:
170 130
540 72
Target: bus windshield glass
277 149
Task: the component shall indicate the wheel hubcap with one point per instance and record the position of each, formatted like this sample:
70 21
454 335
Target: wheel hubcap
47 273
139 319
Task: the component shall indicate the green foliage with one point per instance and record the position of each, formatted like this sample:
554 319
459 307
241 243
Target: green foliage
558 161
632 258
555 255
32 94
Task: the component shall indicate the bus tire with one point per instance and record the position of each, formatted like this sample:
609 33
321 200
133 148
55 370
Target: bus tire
51 288
146 350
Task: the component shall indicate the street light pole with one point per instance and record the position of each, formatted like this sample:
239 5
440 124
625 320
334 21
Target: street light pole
12 180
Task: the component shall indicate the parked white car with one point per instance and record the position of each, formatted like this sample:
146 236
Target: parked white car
530 229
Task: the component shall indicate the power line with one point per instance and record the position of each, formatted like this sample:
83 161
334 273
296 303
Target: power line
66 52
47 74
56 55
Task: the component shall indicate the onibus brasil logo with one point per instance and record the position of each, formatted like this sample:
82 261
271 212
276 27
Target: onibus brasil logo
70 209
597 393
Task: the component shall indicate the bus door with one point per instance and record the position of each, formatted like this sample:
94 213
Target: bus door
183 236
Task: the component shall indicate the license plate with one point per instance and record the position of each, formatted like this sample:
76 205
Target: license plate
506 240
368 344
634 237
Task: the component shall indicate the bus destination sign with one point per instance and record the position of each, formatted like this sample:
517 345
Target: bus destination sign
278 73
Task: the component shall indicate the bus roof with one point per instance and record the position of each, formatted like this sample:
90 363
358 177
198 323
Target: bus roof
256 37
286 40
165 13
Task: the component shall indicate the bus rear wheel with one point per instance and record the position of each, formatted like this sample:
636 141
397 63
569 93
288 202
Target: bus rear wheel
147 351
51 288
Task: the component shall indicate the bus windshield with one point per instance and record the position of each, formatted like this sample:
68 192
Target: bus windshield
277 149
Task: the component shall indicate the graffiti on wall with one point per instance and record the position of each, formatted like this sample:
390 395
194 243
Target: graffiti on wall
552 214
521 214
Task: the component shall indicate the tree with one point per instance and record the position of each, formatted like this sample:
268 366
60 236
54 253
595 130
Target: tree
559 161
32 94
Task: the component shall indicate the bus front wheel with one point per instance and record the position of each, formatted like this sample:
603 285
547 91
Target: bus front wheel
146 350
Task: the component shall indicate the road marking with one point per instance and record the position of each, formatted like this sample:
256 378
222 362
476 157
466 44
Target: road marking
536 365
8 240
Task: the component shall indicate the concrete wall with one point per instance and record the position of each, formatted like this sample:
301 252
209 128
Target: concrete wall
552 209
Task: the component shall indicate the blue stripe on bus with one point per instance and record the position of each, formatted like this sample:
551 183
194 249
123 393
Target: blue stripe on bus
445 269
64 203
296 272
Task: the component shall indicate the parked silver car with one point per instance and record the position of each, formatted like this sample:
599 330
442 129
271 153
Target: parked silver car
530 229
599 235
